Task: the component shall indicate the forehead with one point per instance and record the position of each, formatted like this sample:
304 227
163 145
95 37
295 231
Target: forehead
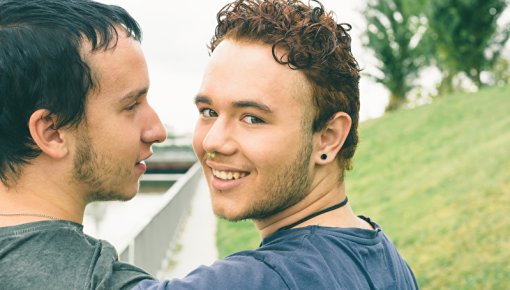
247 70
118 70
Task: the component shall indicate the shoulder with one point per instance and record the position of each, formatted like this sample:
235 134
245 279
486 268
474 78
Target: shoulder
240 271
59 255
107 272
277 264
306 258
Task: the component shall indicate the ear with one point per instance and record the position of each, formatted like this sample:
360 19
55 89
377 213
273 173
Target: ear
332 138
51 141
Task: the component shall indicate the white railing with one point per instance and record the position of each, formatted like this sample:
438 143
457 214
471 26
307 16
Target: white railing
151 247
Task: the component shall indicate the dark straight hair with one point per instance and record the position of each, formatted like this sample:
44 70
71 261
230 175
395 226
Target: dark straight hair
42 66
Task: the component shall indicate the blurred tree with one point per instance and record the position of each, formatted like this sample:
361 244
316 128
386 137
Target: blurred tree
466 37
395 33
500 73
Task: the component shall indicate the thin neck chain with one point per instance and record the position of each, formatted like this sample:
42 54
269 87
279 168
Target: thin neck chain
29 214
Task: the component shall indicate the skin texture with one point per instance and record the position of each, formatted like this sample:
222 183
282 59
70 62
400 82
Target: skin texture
255 115
100 159
251 119
120 125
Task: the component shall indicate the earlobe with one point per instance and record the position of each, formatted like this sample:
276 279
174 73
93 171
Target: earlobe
47 137
332 137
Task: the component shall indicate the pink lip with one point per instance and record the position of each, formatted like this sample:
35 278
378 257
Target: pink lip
220 184
222 167
141 166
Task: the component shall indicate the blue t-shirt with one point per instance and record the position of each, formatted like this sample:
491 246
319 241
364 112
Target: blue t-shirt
312 257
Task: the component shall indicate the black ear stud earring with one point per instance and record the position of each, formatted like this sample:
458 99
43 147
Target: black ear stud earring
324 156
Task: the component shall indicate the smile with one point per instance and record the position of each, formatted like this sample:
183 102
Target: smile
228 175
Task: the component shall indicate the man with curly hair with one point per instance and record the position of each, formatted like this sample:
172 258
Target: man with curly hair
278 106
75 127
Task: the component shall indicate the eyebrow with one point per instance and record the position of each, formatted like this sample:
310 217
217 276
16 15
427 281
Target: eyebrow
135 94
252 104
202 99
237 104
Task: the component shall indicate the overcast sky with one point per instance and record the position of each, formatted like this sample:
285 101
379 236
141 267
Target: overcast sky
175 46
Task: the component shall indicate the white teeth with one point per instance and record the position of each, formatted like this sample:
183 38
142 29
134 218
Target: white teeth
228 175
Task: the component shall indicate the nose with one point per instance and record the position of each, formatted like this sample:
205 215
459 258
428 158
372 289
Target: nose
155 131
220 138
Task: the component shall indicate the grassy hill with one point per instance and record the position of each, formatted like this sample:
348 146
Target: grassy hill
437 179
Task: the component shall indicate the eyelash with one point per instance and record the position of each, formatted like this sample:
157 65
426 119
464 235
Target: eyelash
204 111
132 106
258 120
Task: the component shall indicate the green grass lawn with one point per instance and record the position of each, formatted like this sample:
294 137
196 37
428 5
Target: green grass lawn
437 179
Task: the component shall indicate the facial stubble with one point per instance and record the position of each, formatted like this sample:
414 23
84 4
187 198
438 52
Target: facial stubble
100 174
288 186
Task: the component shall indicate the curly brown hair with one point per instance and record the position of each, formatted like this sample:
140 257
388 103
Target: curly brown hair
312 42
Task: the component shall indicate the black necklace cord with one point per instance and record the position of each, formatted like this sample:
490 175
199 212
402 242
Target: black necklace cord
339 205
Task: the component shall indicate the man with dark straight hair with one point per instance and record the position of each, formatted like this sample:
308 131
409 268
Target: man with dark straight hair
75 127
278 107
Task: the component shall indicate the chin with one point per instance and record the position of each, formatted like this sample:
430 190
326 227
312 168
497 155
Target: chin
225 214
128 195
120 195
231 218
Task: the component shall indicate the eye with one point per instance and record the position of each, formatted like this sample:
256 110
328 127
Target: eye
252 120
132 106
208 113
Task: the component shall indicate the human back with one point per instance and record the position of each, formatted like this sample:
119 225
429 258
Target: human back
310 257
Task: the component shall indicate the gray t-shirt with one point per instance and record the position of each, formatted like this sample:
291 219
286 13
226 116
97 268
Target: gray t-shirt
58 255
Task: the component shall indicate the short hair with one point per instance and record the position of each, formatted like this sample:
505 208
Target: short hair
42 66
312 42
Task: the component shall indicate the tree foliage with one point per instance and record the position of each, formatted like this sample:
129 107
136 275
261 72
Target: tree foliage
460 37
466 36
395 33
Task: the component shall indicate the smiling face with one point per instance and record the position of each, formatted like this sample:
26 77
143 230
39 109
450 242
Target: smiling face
119 127
255 115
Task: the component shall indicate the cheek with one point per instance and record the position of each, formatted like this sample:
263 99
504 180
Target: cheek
198 138
274 141
282 153
270 153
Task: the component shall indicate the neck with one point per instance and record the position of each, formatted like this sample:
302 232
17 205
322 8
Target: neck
320 198
42 196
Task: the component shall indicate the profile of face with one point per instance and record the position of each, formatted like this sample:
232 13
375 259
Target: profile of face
255 115
119 127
